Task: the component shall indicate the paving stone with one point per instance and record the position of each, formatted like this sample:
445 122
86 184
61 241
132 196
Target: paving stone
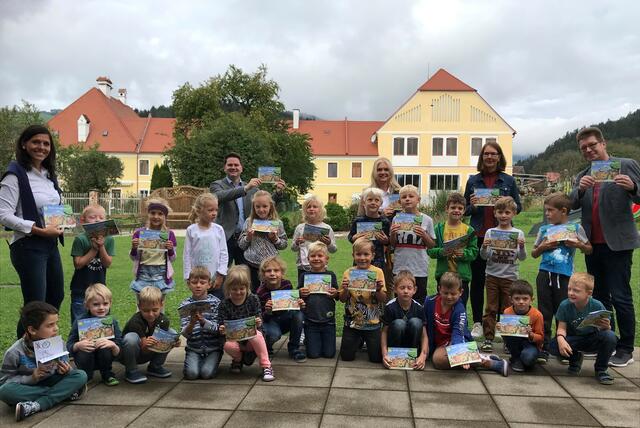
542 386
204 396
125 394
342 421
344 401
8 416
176 376
454 406
159 416
632 371
446 381
546 426
622 389
550 410
361 361
282 358
380 378
443 423
285 398
554 368
302 376
89 416
619 413
243 418
176 356
248 376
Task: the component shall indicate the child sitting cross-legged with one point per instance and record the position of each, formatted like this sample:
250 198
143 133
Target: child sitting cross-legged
404 321
447 325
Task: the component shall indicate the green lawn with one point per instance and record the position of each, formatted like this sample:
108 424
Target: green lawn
119 277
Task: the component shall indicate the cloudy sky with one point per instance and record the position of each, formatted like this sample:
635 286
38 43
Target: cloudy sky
546 66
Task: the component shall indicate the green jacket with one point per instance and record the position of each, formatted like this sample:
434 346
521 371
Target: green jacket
463 264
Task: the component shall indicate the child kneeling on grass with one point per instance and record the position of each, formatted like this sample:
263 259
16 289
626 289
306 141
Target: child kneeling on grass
30 387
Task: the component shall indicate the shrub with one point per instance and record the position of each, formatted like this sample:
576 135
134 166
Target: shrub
290 219
337 217
352 212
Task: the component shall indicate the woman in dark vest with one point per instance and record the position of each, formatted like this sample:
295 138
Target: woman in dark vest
26 187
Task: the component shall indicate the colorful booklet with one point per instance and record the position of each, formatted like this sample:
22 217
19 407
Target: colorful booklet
402 358
313 233
101 228
370 228
504 240
562 232
240 329
96 328
463 353
265 226
362 279
317 283
166 340
605 170
394 202
59 216
192 308
513 325
152 240
285 300
407 221
49 351
455 244
591 319
269 174
486 197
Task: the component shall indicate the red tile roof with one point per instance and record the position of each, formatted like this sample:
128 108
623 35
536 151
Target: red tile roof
442 80
340 137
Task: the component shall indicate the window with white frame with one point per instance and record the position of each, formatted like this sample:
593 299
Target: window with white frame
332 169
444 182
356 169
444 150
405 151
476 146
144 193
404 179
143 167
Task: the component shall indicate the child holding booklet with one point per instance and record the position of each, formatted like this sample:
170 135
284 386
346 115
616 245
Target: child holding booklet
313 213
34 388
153 250
257 245
205 243
369 212
320 307
404 321
447 325
92 255
362 308
274 324
411 245
201 328
456 259
96 354
239 303
137 338
556 265
502 247
572 340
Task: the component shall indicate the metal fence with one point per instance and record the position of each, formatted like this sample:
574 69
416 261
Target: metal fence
113 206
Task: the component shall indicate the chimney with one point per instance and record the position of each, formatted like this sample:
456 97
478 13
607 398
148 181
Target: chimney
296 118
104 84
122 95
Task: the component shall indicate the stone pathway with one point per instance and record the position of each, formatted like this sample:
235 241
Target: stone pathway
333 393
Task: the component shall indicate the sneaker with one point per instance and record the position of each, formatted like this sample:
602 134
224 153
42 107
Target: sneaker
590 355
576 366
236 367
604 378
159 372
25 409
301 343
267 374
501 366
476 331
298 356
543 357
487 346
517 366
248 358
621 359
135 376
564 361
78 394
111 381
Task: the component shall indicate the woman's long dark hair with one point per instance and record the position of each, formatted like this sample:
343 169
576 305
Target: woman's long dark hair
23 157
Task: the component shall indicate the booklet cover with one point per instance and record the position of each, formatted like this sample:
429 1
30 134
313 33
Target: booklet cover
96 328
486 197
402 358
265 226
590 320
463 353
240 329
394 202
166 340
513 325
59 216
285 300
605 170
504 240
370 228
49 351
407 221
562 232
101 228
317 283
191 308
313 233
455 244
269 174
362 279
152 240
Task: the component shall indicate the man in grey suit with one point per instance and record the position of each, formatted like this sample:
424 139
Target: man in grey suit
234 203
609 223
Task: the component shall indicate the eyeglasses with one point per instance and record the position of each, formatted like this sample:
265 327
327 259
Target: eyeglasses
491 155
587 147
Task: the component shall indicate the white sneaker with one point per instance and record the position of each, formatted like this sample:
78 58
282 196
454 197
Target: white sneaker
476 331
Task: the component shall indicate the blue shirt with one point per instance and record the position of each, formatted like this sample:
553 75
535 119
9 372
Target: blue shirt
240 204
560 259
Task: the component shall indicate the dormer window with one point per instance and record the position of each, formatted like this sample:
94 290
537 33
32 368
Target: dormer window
83 128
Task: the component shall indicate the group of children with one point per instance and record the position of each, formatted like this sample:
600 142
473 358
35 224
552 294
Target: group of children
374 319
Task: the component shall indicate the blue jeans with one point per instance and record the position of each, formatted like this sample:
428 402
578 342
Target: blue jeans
283 322
201 365
131 355
320 339
521 348
405 334
602 341
37 262
77 308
